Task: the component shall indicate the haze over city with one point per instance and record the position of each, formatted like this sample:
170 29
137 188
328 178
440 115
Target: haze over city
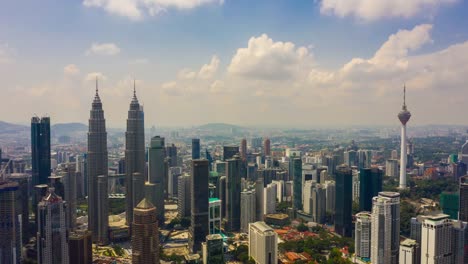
311 63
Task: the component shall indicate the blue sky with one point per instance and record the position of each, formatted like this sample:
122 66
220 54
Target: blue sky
49 50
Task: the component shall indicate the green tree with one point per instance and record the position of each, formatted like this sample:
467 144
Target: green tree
302 228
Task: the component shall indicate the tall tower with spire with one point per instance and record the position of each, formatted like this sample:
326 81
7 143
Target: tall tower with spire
404 117
134 155
98 209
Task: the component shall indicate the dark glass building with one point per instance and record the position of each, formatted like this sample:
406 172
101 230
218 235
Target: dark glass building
195 148
199 228
370 184
463 192
296 173
40 149
171 152
233 193
344 201
229 152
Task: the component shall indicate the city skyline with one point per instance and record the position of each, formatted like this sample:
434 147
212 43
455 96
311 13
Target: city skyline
414 43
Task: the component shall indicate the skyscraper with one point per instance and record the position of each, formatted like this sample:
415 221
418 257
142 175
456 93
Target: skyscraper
259 198
263 243
331 196
199 228
243 150
436 246
134 153
145 234
80 248
69 182
40 149
98 221
233 193
318 203
195 148
370 181
410 252
184 196
248 210
52 243
463 191
229 152
404 117
385 228
463 157
157 170
213 252
267 147
10 242
363 235
171 152
343 201
296 173
270 193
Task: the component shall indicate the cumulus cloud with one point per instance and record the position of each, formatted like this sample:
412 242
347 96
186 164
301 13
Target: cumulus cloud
266 59
136 9
93 75
373 10
71 69
107 49
207 71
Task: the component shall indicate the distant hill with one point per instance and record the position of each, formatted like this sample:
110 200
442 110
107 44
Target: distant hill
219 126
68 128
7 128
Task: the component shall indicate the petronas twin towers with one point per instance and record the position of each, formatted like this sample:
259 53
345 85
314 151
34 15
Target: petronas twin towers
97 160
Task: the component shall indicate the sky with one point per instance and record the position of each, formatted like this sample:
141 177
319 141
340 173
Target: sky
302 63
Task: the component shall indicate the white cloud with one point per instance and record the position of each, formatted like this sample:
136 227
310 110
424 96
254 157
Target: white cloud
136 9
71 69
141 61
186 74
108 49
171 89
265 59
93 75
369 10
207 71
217 87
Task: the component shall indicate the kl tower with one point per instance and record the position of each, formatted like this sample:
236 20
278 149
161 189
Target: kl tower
404 117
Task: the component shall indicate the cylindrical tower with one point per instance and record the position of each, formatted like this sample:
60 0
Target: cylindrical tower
404 117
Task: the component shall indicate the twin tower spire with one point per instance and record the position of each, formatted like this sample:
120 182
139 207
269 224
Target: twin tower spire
96 97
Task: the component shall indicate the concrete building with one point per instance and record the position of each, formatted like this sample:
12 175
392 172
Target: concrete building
319 204
343 201
270 193
263 243
215 215
330 196
295 168
267 147
391 168
243 149
195 148
229 152
183 201
233 193
199 228
436 237
463 192
248 210
460 242
385 228
98 222
259 199
52 243
135 161
10 242
307 196
362 238
145 234
157 173
463 156
410 252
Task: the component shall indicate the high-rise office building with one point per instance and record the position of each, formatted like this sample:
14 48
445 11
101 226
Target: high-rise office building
171 153
436 240
213 252
52 243
270 193
97 167
248 210
463 156
385 228
307 196
184 196
157 173
233 193
259 199
319 204
222 194
267 147
330 196
463 194
40 149
391 168
449 203
243 150
135 161
145 234
370 181
68 175
362 236
460 242
215 215
199 228
263 243
10 242
80 247
343 201
296 173
22 203
350 158
229 152
195 148
410 252
404 117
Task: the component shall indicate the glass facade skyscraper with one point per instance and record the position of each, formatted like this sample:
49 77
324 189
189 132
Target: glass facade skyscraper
344 201
40 149
370 181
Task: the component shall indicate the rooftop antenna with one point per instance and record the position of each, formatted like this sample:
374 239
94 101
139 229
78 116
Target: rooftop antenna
96 85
